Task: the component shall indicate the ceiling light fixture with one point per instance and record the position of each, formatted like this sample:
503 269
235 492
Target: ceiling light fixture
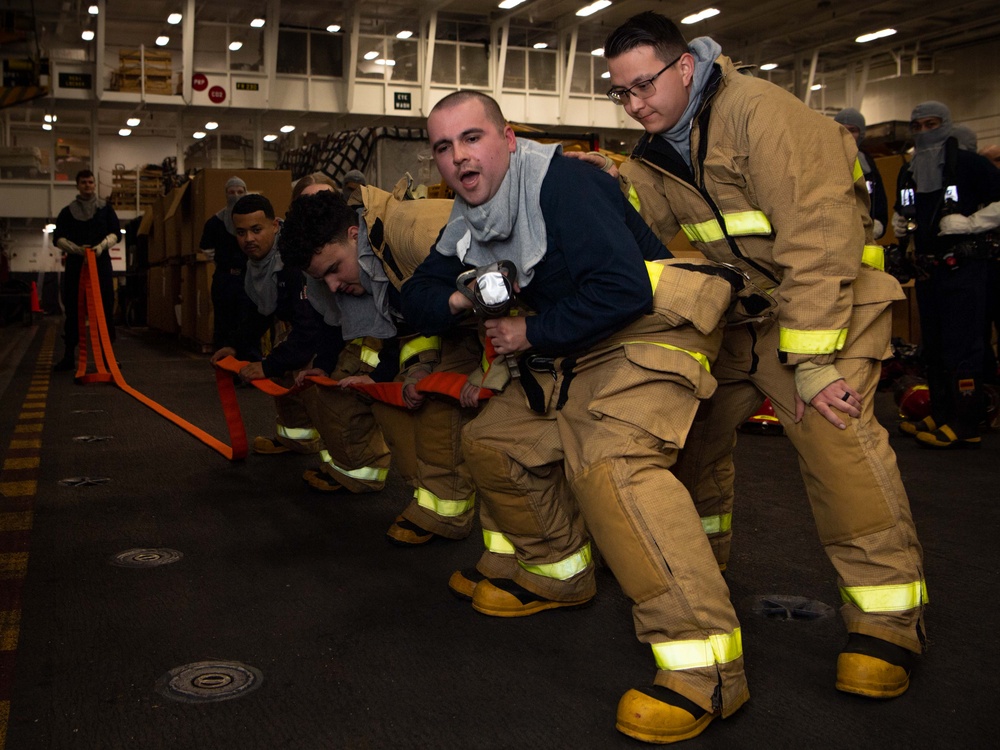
599 52
333 28
372 55
508 4
50 118
133 122
816 87
606 74
270 137
162 40
49 228
700 16
287 128
93 10
198 134
387 63
211 125
540 45
235 45
46 126
404 34
769 66
875 35
589 10
87 35
124 132
174 18
257 23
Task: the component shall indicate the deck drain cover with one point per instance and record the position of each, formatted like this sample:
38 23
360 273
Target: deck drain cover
87 411
208 681
92 438
785 607
84 481
145 558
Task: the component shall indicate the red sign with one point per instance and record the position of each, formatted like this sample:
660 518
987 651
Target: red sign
199 82
217 94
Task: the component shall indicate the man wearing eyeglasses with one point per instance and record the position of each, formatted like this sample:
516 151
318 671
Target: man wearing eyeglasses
755 178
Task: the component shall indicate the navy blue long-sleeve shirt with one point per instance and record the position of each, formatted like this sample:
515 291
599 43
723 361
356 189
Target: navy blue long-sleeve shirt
592 280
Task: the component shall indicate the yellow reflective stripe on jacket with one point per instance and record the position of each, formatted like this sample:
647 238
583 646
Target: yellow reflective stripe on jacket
364 474
655 271
440 506
717 524
706 231
564 569
633 197
497 543
874 256
747 222
716 649
297 433
415 346
891 598
699 357
367 355
811 342
858 171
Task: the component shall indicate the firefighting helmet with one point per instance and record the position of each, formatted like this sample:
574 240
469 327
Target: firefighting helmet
913 398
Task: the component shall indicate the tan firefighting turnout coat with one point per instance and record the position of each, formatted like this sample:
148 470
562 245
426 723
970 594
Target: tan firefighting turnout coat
778 192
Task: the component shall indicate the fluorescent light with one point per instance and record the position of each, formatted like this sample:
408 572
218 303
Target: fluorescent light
816 87
508 4
404 34
387 63
124 132
769 66
270 137
93 10
198 134
211 125
372 55
87 35
589 10
133 122
875 35
235 46
606 74
49 118
599 52
258 23
46 126
49 228
540 45
287 128
174 18
333 28
162 40
700 16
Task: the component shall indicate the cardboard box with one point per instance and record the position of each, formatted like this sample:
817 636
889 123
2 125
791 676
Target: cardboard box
157 231
176 219
208 193
204 316
189 300
164 295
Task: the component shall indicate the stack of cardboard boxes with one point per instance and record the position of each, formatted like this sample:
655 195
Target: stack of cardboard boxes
180 276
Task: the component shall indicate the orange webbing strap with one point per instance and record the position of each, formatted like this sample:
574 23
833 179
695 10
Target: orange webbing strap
448 384
90 302
389 393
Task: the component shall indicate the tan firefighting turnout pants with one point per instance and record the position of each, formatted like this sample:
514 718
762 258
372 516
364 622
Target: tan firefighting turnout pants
602 462
426 446
860 506
356 455
293 424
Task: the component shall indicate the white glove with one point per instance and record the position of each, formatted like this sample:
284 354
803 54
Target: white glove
899 225
983 220
210 253
68 246
110 241
955 224
878 229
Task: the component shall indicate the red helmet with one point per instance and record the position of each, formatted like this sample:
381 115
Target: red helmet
914 401
764 421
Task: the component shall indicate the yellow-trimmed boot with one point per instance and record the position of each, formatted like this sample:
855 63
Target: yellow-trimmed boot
502 597
945 437
462 583
873 668
913 426
644 716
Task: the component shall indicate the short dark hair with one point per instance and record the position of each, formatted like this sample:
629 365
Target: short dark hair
83 173
493 112
251 203
649 28
311 222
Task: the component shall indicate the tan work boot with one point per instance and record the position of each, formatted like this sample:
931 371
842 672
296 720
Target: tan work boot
913 426
404 533
644 717
268 446
501 597
873 668
462 583
320 481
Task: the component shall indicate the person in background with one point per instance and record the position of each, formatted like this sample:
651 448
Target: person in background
88 221
311 184
230 303
756 179
938 198
966 137
352 181
854 121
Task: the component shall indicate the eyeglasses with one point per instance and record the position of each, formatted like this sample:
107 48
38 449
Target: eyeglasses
642 89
